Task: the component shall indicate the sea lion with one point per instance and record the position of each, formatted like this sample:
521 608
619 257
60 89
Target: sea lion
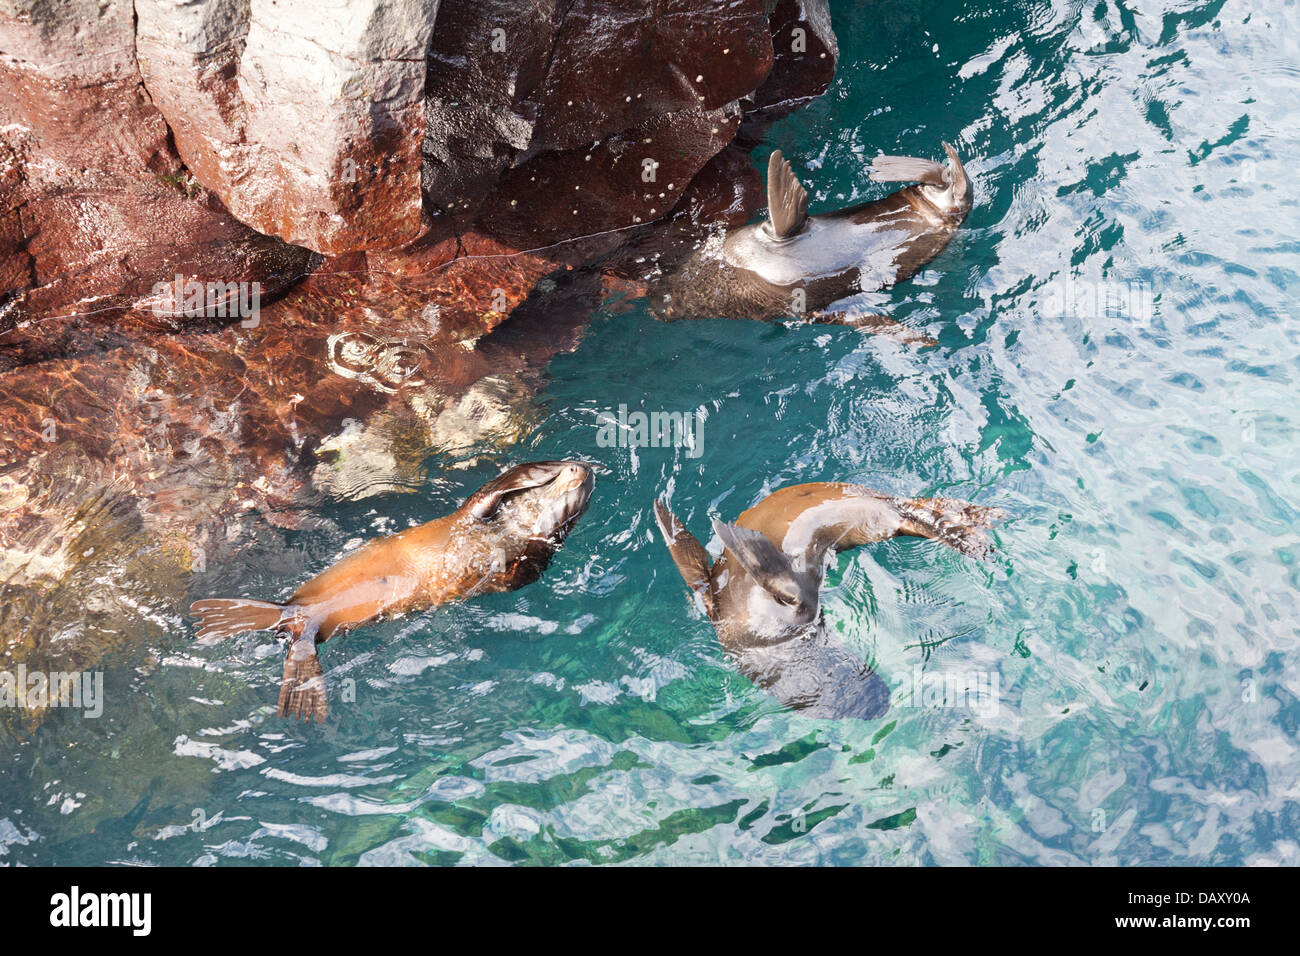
763 594
500 539
796 265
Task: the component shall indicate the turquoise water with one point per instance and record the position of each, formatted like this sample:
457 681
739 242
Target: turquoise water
1138 620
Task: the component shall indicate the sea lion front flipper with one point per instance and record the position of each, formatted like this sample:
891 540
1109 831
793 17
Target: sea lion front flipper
302 688
688 554
787 200
764 562
908 169
484 502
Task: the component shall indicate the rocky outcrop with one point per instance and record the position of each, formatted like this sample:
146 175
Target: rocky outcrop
96 207
137 138
430 199
333 125
304 118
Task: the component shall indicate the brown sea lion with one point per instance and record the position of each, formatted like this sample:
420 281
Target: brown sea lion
500 539
764 593
796 265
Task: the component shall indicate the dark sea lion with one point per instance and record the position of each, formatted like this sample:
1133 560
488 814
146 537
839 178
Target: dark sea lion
764 593
795 264
500 539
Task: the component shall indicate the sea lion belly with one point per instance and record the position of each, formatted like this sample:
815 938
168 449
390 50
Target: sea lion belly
830 248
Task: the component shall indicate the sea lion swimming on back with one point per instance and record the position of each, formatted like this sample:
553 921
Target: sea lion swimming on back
795 264
500 539
764 593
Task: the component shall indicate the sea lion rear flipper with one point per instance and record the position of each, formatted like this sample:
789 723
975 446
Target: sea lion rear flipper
302 688
688 554
226 617
787 200
958 524
764 562
908 169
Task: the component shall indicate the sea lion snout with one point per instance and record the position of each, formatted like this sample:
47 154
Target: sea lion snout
570 492
574 476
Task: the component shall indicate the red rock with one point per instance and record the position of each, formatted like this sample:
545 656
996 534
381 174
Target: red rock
132 439
97 208
305 120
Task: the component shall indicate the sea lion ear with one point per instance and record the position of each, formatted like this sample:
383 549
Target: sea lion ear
764 562
484 503
787 200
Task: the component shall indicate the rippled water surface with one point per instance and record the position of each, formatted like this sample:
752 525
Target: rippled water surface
1138 620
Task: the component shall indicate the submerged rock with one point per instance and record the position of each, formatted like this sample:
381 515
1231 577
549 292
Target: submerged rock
154 462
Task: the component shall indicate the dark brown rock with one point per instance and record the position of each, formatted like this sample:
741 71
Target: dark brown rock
804 54
486 62
629 178
618 63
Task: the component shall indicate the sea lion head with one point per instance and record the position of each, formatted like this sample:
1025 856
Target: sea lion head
529 509
953 197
